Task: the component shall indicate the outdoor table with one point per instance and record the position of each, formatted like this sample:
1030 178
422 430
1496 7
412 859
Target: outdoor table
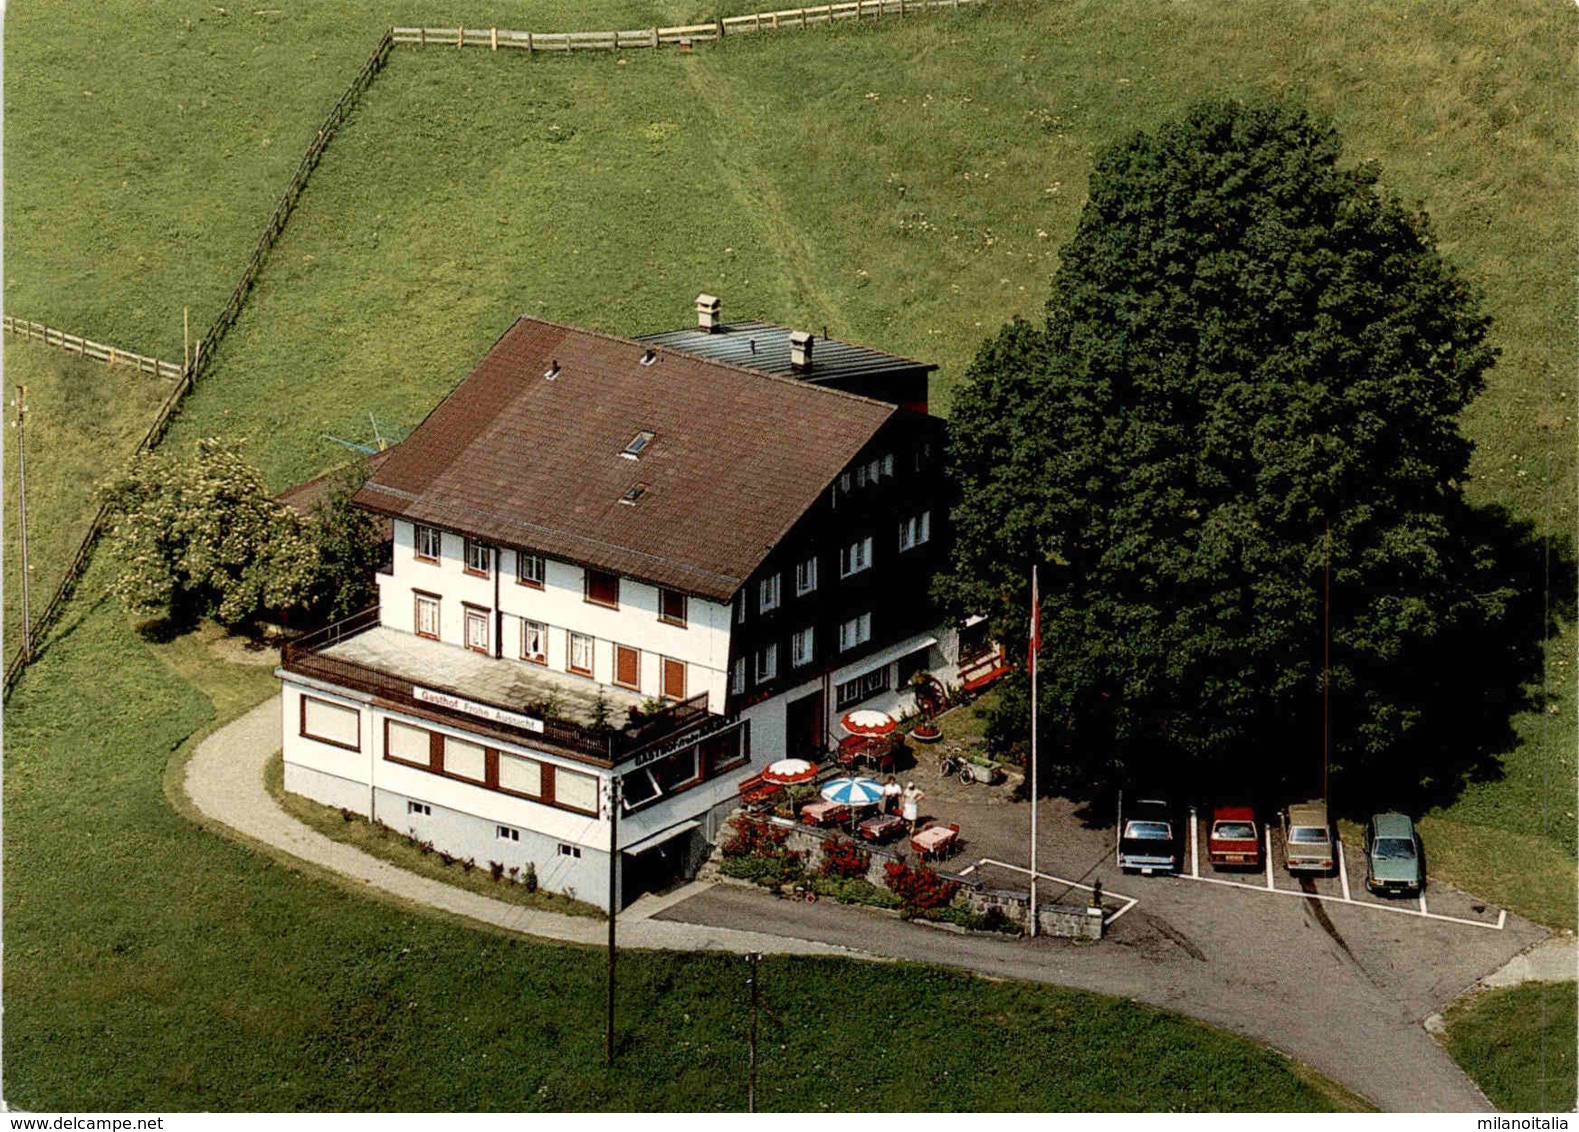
816 813
934 841
880 827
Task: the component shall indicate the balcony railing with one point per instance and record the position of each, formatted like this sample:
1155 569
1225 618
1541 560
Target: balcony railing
306 657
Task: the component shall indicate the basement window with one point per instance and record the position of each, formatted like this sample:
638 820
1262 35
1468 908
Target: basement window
638 445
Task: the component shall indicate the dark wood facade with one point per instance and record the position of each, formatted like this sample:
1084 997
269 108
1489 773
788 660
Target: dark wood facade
894 589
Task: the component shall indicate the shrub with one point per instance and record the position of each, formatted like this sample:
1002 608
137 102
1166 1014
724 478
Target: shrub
447 858
767 871
469 864
844 858
496 870
920 889
346 814
753 837
529 877
854 890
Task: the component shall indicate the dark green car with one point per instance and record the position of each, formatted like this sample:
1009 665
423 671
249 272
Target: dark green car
1392 856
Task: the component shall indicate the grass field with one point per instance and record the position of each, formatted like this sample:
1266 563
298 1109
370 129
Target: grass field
1518 1044
152 965
391 845
82 418
904 185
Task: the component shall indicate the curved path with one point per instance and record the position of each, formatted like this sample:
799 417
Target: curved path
224 779
1353 1009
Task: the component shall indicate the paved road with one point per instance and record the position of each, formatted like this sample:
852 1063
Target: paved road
1344 989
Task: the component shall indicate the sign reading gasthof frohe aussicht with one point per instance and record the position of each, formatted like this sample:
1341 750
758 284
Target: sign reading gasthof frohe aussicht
481 711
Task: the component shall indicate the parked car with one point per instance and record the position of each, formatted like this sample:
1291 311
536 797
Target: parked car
1392 855
1148 841
1234 840
1307 839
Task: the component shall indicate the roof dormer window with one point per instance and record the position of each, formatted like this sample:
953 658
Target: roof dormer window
633 494
638 445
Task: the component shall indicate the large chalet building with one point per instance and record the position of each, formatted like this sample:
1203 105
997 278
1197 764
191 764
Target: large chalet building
668 560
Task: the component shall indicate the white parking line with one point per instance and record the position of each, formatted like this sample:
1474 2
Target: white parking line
1343 870
1195 857
1423 911
1131 901
1502 919
1270 886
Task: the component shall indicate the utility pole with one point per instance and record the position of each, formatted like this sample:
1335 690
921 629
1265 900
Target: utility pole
21 485
751 1040
1326 669
1035 647
614 865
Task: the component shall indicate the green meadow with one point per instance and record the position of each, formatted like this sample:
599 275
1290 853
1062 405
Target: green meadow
905 184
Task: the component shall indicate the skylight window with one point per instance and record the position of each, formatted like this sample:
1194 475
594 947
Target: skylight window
633 494
638 445
649 357
552 371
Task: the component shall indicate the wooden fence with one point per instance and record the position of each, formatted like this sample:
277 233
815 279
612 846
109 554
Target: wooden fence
492 38
201 357
87 348
496 38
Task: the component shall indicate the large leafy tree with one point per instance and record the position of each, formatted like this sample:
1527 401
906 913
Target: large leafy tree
1248 345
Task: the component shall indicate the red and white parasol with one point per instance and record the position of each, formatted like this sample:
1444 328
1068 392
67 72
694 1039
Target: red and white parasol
867 723
787 772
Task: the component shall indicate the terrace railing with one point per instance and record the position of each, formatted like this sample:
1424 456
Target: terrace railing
306 656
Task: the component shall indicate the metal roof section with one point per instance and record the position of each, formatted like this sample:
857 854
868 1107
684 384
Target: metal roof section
765 347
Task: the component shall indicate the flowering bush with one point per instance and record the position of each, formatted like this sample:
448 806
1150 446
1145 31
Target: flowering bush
753 837
844 859
919 890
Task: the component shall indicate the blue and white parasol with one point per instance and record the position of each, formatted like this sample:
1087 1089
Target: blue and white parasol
854 791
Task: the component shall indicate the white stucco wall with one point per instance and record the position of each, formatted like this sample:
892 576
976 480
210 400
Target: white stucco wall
702 645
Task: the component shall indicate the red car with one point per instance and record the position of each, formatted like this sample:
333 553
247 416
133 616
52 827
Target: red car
1235 840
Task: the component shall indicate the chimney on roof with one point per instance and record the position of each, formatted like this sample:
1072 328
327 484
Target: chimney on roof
708 309
800 349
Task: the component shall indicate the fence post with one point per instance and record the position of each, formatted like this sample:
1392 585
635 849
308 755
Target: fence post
528 43
720 28
653 36
460 37
422 37
493 39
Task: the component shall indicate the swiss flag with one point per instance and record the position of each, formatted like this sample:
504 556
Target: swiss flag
1036 627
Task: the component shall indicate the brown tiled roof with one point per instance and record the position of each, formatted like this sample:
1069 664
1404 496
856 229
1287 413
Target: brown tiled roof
305 496
513 458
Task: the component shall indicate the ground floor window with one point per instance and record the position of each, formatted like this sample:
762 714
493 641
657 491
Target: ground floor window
465 760
861 688
407 744
330 723
578 791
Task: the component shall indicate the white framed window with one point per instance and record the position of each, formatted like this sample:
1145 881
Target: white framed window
569 850
534 642
863 686
768 593
806 577
505 833
427 618
418 810
855 631
923 454
429 543
767 663
915 530
479 558
803 646
580 654
740 609
737 679
887 465
529 569
855 557
477 629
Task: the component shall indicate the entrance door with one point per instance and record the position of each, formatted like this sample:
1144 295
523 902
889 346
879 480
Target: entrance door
803 737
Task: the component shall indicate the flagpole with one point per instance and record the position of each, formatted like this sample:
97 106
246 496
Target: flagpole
1035 634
